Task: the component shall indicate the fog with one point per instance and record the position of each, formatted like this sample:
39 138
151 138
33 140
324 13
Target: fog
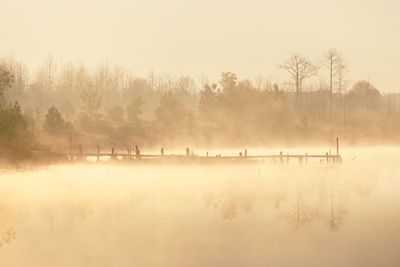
208 133
61 106
196 215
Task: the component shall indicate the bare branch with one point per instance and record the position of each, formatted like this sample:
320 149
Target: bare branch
300 69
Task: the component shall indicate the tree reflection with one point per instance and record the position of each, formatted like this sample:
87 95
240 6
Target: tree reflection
337 207
230 205
302 213
369 182
7 234
65 213
8 218
295 194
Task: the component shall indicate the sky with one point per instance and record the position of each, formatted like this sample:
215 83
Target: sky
189 37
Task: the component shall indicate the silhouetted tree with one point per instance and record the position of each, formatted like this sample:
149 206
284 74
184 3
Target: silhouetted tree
300 69
171 110
134 109
138 87
6 79
54 120
13 126
208 101
67 109
333 60
116 114
363 95
91 99
228 81
19 73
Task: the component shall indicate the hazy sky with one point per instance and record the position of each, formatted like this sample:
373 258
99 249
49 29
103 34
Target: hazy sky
190 37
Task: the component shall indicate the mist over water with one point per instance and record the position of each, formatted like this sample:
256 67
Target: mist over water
205 215
199 133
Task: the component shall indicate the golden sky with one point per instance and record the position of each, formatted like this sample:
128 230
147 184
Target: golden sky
209 36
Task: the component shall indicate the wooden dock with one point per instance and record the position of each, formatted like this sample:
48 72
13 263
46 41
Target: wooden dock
135 154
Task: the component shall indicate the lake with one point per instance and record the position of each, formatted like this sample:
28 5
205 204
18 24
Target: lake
205 215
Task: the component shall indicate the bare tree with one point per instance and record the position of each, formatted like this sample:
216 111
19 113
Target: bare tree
82 78
6 80
51 68
340 81
333 60
19 71
300 69
203 80
322 95
151 78
258 80
91 99
103 77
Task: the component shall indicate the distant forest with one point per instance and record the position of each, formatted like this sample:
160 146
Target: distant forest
110 106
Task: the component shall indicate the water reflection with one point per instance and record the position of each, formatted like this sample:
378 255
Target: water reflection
302 212
338 209
71 213
161 209
229 205
7 235
309 195
298 197
8 218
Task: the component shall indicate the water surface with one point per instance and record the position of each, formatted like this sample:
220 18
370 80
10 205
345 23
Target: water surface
229 215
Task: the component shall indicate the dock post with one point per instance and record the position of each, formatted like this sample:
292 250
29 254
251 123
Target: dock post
187 151
281 157
112 153
337 146
128 156
327 158
70 148
162 151
137 152
98 153
330 157
245 153
80 152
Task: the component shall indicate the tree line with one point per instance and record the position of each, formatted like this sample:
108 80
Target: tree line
113 107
